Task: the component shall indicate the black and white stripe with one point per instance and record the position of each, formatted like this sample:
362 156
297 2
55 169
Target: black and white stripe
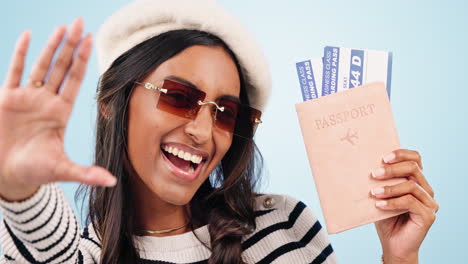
44 229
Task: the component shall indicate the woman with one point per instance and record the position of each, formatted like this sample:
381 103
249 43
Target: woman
175 166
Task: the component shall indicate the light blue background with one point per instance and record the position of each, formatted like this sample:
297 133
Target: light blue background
429 93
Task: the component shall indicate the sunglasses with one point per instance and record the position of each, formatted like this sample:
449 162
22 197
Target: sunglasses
185 101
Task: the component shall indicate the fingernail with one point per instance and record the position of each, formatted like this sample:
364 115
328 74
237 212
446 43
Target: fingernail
389 157
26 33
381 203
378 172
377 191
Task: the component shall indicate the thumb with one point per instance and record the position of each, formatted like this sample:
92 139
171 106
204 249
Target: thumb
96 175
67 170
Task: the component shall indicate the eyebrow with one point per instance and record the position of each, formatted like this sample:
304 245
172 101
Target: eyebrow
188 83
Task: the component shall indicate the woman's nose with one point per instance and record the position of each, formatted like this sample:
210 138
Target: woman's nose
201 128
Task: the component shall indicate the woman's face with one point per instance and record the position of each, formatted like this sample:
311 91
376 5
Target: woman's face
163 175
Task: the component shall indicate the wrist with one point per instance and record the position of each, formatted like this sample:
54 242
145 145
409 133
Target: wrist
17 193
411 259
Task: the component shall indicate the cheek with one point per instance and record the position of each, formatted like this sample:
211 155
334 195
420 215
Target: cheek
141 145
223 143
143 139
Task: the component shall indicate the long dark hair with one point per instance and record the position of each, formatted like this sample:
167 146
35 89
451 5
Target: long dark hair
227 195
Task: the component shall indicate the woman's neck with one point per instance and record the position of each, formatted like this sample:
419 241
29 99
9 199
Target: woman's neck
155 214
164 216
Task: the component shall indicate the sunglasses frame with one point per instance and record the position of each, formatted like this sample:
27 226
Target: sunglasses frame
151 86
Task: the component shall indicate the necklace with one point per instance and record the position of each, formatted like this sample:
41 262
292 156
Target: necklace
152 232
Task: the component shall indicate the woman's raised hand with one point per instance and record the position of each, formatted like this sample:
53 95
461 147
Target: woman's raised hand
401 236
33 117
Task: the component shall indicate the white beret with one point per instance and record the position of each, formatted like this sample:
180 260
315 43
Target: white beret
143 19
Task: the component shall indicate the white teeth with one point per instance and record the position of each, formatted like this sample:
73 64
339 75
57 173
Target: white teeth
183 155
191 169
175 151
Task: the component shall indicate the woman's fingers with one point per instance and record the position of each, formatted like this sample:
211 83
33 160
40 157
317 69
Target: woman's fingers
403 169
418 210
65 57
98 176
13 78
41 67
77 71
402 155
404 188
66 170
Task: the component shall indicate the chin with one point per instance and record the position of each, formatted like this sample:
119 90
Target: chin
175 196
179 202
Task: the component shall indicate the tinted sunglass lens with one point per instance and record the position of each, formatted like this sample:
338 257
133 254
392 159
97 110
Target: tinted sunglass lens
247 122
180 99
239 119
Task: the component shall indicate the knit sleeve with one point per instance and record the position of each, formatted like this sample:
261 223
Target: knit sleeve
309 232
41 229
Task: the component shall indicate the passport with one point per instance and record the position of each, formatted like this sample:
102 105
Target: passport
346 134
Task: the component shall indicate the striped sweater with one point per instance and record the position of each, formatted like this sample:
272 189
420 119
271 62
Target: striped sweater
44 229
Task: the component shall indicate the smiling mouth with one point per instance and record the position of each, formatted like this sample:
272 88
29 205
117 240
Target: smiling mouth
185 161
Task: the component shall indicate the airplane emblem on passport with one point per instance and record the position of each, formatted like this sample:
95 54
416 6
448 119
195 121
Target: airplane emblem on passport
350 136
